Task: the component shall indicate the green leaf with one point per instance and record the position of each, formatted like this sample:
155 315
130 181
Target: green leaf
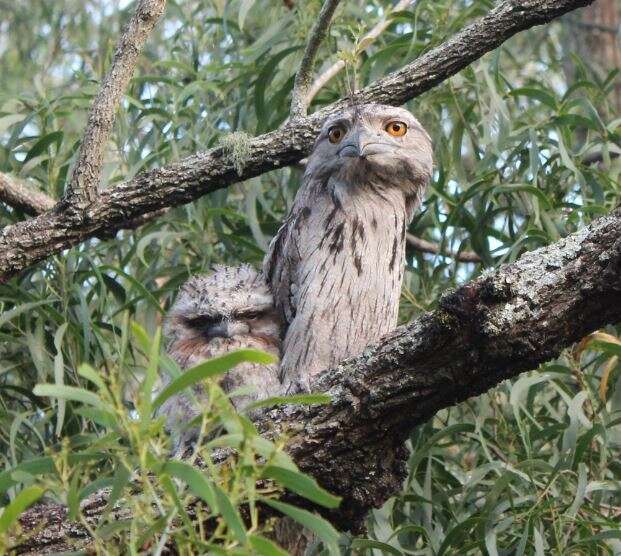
41 146
16 311
121 478
322 528
230 515
59 375
198 484
23 500
265 547
535 94
87 372
369 544
244 8
302 484
41 466
212 367
70 393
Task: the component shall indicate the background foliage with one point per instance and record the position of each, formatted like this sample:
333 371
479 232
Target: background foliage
526 151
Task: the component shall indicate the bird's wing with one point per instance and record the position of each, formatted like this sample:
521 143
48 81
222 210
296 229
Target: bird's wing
281 265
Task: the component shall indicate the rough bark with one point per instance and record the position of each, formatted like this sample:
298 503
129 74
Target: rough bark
299 96
25 243
18 195
86 173
491 329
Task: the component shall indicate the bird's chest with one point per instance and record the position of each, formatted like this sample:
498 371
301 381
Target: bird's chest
354 235
351 258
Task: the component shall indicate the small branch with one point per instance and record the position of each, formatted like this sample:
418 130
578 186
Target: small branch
299 102
429 247
82 188
366 41
18 195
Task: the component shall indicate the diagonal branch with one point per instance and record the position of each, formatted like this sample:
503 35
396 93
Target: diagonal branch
299 96
26 243
425 246
18 195
82 188
491 329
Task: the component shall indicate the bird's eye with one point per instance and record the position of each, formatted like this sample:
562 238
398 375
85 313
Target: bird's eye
396 129
251 315
335 134
203 321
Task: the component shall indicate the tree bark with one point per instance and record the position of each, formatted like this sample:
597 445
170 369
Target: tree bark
491 329
26 243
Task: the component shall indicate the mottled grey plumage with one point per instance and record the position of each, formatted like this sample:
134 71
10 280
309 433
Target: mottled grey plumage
336 265
230 309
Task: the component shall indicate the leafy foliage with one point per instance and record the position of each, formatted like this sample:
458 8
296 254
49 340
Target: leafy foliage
524 155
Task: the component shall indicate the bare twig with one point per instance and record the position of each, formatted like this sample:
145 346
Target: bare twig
26 243
366 41
82 188
18 195
299 103
425 246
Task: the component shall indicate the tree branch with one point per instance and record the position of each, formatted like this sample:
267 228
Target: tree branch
491 329
425 246
366 41
25 243
18 195
82 188
299 96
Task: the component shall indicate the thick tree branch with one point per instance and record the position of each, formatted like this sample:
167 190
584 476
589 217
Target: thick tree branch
491 329
26 243
299 96
365 41
18 195
86 173
425 246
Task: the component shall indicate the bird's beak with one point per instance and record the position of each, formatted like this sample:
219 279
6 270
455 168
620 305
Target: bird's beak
220 330
362 144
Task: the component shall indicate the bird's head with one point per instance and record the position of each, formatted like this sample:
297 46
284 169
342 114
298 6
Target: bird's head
373 142
231 302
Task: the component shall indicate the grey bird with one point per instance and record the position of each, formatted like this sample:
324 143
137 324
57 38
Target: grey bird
230 309
336 265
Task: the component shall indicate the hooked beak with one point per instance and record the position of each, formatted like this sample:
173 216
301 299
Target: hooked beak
228 329
362 145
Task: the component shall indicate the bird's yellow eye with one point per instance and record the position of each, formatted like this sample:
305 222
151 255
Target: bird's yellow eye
396 129
335 134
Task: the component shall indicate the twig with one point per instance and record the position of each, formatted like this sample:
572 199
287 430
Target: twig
299 102
25 243
429 247
366 41
18 195
82 188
